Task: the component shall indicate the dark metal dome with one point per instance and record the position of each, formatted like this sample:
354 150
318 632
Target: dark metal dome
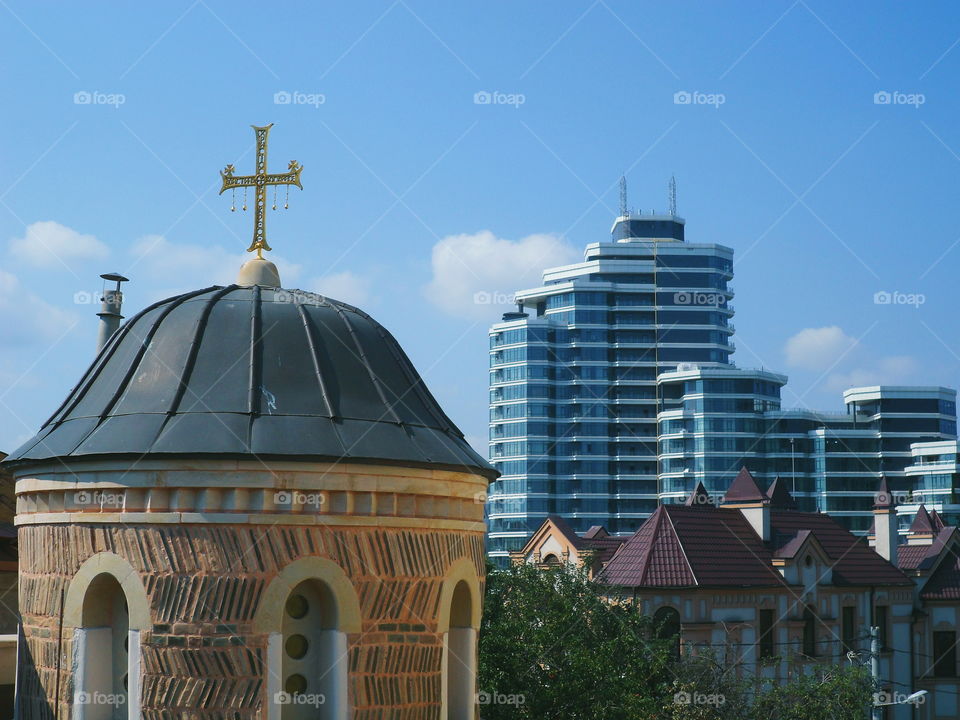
254 372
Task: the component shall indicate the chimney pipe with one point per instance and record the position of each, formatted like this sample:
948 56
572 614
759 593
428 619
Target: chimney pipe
110 305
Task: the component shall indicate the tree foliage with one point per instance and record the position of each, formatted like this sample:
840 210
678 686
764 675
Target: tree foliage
552 646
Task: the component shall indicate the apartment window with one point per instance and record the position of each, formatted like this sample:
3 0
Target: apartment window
766 638
666 625
945 653
883 622
848 627
809 632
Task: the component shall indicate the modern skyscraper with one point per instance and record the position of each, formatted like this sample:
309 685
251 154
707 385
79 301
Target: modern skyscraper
573 390
612 391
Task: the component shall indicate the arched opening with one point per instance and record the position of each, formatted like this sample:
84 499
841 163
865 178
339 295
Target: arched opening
551 560
666 626
314 655
103 653
461 655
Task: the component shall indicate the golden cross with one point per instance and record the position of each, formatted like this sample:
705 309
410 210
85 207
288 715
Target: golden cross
259 180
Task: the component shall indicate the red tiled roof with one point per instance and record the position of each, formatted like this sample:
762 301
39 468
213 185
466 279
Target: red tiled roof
936 521
944 583
693 546
854 562
780 497
596 539
922 522
909 557
744 489
705 546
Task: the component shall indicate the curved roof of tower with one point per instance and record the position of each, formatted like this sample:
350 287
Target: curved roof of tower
254 372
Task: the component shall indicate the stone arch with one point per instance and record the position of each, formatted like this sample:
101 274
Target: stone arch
307 612
269 616
107 563
107 608
461 570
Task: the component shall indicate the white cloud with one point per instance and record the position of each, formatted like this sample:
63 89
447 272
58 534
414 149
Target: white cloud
173 268
49 244
346 286
818 348
886 370
476 275
28 319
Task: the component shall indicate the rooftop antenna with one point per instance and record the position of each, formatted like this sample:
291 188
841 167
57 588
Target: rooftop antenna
110 305
623 197
672 195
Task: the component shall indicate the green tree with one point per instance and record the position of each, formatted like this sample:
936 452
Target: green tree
553 646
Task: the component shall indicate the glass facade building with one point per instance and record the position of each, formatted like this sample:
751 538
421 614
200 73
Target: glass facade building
612 390
573 377
932 479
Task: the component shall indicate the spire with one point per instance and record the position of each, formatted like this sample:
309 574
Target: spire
672 195
922 524
623 197
780 497
744 489
883 498
699 496
936 521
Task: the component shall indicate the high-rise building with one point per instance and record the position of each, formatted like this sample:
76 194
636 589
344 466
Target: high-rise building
573 389
612 391
714 421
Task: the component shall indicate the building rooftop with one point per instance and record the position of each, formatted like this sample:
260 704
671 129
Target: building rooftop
254 372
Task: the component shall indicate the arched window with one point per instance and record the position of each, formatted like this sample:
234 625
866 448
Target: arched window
103 649
666 626
551 560
460 650
314 655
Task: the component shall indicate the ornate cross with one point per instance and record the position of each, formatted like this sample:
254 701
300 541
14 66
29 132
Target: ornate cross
259 180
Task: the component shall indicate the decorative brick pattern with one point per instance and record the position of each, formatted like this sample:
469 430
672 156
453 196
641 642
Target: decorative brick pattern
202 659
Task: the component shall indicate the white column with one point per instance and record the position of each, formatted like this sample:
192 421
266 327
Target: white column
461 672
333 685
93 673
274 674
133 675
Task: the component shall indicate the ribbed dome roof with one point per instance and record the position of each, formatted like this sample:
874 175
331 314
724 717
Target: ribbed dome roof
254 372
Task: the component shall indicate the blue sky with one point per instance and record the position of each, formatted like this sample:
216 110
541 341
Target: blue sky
416 197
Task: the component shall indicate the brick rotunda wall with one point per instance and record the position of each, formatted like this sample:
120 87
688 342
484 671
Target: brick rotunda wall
201 658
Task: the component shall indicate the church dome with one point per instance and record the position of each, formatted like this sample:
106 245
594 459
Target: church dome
254 372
